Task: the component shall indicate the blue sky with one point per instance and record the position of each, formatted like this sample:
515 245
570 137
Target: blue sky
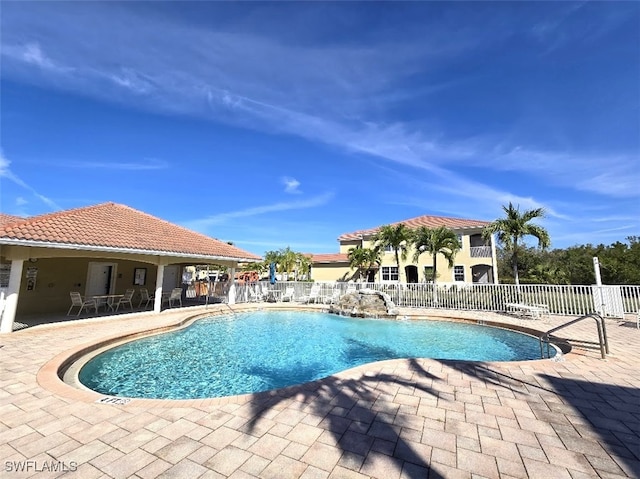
287 124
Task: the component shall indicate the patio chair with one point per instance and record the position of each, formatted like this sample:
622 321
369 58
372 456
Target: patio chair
144 297
78 301
289 293
314 294
255 295
265 291
126 299
534 311
333 299
176 295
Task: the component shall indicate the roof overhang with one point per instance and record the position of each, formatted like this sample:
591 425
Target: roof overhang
127 251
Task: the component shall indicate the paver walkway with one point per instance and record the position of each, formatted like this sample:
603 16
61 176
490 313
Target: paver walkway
573 418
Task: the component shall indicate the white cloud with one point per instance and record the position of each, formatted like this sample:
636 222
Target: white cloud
5 172
265 233
261 210
31 53
452 194
132 80
302 246
146 164
142 53
583 234
4 166
291 185
609 175
326 95
607 219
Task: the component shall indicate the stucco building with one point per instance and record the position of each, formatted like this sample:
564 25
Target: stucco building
474 263
96 250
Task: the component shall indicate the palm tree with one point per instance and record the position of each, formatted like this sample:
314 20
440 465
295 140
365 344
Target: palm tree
303 265
357 259
397 238
271 257
372 257
363 259
260 267
512 229
287 260
435 241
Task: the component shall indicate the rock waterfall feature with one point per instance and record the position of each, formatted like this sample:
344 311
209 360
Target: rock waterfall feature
365 303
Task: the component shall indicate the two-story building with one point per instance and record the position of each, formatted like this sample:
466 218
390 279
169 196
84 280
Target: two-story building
474 263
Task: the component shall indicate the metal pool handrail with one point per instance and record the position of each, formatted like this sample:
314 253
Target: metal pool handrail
602 334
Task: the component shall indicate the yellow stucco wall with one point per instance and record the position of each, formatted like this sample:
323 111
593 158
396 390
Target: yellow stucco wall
59 271
57 277
345 246
331 272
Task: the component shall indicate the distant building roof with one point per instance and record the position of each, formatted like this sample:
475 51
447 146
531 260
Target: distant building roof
115 227
330 258
6 219
428 221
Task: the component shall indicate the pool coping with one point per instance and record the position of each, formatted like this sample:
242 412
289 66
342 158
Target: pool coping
51 375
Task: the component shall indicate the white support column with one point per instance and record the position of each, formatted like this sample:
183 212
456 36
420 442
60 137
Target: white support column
11 301
157 301
232 286
494 260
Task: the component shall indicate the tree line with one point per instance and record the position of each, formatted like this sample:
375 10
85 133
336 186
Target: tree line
619 264
294 265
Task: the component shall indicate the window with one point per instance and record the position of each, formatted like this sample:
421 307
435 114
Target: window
388 249
389 273
428 274
458 273
460 240
5 271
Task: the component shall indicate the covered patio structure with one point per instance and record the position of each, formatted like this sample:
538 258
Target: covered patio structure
98 250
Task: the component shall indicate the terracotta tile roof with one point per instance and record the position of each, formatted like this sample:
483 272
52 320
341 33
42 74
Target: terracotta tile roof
6 219
429 221
118 227
330 258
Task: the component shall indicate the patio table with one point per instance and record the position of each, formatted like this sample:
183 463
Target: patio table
108 300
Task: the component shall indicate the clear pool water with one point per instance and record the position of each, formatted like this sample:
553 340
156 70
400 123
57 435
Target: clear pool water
263 350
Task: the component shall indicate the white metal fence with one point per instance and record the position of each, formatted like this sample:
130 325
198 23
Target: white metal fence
572 300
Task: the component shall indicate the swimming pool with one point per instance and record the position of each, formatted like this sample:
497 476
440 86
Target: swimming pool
263 350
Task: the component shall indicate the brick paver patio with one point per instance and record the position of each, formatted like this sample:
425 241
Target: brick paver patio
570 418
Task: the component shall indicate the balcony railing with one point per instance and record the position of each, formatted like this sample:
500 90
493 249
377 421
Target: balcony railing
481 251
